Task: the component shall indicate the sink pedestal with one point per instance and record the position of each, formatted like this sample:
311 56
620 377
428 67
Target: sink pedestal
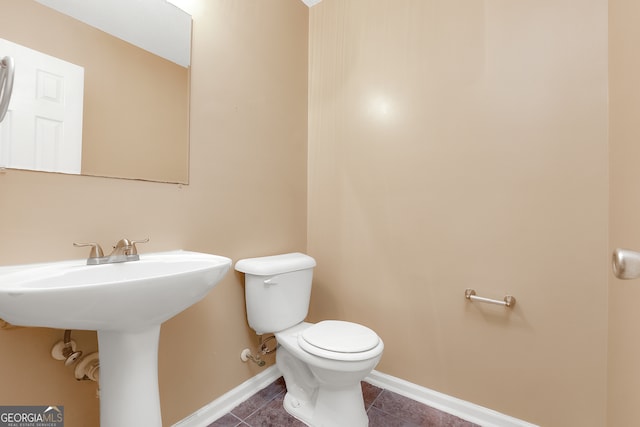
126 302
129 394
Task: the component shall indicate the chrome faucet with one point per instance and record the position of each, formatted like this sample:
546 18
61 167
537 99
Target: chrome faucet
123 251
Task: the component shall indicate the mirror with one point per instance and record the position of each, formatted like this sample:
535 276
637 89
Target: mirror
136 103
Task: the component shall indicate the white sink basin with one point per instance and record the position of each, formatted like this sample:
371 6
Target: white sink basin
126 303
121 296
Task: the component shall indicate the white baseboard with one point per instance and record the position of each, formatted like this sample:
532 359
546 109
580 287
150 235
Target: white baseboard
451 405
225 403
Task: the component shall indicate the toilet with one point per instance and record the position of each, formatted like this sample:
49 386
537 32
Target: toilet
323 363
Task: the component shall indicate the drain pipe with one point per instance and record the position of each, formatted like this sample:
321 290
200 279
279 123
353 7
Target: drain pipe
88 369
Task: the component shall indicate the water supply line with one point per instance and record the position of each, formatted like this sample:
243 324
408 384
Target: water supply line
87 368
246 354
66 350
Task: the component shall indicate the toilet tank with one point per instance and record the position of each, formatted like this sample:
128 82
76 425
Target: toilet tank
277 290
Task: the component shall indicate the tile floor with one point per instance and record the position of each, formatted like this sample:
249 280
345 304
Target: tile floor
385 409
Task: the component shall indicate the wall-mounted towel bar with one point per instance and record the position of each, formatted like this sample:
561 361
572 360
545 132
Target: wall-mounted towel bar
508 301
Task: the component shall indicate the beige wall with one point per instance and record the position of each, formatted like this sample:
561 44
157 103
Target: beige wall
457 144
451 144
624 316
247 197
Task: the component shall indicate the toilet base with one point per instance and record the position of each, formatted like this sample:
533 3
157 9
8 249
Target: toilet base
342 407
322 392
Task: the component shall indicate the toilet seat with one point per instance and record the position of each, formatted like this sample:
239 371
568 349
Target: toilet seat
340 340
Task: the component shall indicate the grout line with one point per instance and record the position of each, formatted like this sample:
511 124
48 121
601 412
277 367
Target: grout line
265 404
377 397
240 422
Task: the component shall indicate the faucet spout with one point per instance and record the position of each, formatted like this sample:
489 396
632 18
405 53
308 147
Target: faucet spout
123 251
123 247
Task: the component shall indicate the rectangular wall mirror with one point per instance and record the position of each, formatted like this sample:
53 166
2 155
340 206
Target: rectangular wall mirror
135 114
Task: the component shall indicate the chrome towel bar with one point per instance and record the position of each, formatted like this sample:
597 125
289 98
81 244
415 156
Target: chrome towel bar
508 301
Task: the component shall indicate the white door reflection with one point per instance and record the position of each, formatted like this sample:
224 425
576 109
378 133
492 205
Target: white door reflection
43 127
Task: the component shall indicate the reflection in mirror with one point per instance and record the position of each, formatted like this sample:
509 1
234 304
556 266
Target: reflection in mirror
135 113
43 130
6 84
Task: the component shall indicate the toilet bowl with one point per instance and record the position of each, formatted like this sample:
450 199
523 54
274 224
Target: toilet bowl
323 363
324 390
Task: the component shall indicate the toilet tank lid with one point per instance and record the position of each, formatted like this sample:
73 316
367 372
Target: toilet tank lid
275 264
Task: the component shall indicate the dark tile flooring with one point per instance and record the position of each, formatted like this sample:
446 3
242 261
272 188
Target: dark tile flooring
385 409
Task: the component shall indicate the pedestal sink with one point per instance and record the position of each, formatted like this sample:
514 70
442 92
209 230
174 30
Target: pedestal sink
126 303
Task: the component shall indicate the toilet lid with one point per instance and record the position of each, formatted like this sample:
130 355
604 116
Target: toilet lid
340 337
